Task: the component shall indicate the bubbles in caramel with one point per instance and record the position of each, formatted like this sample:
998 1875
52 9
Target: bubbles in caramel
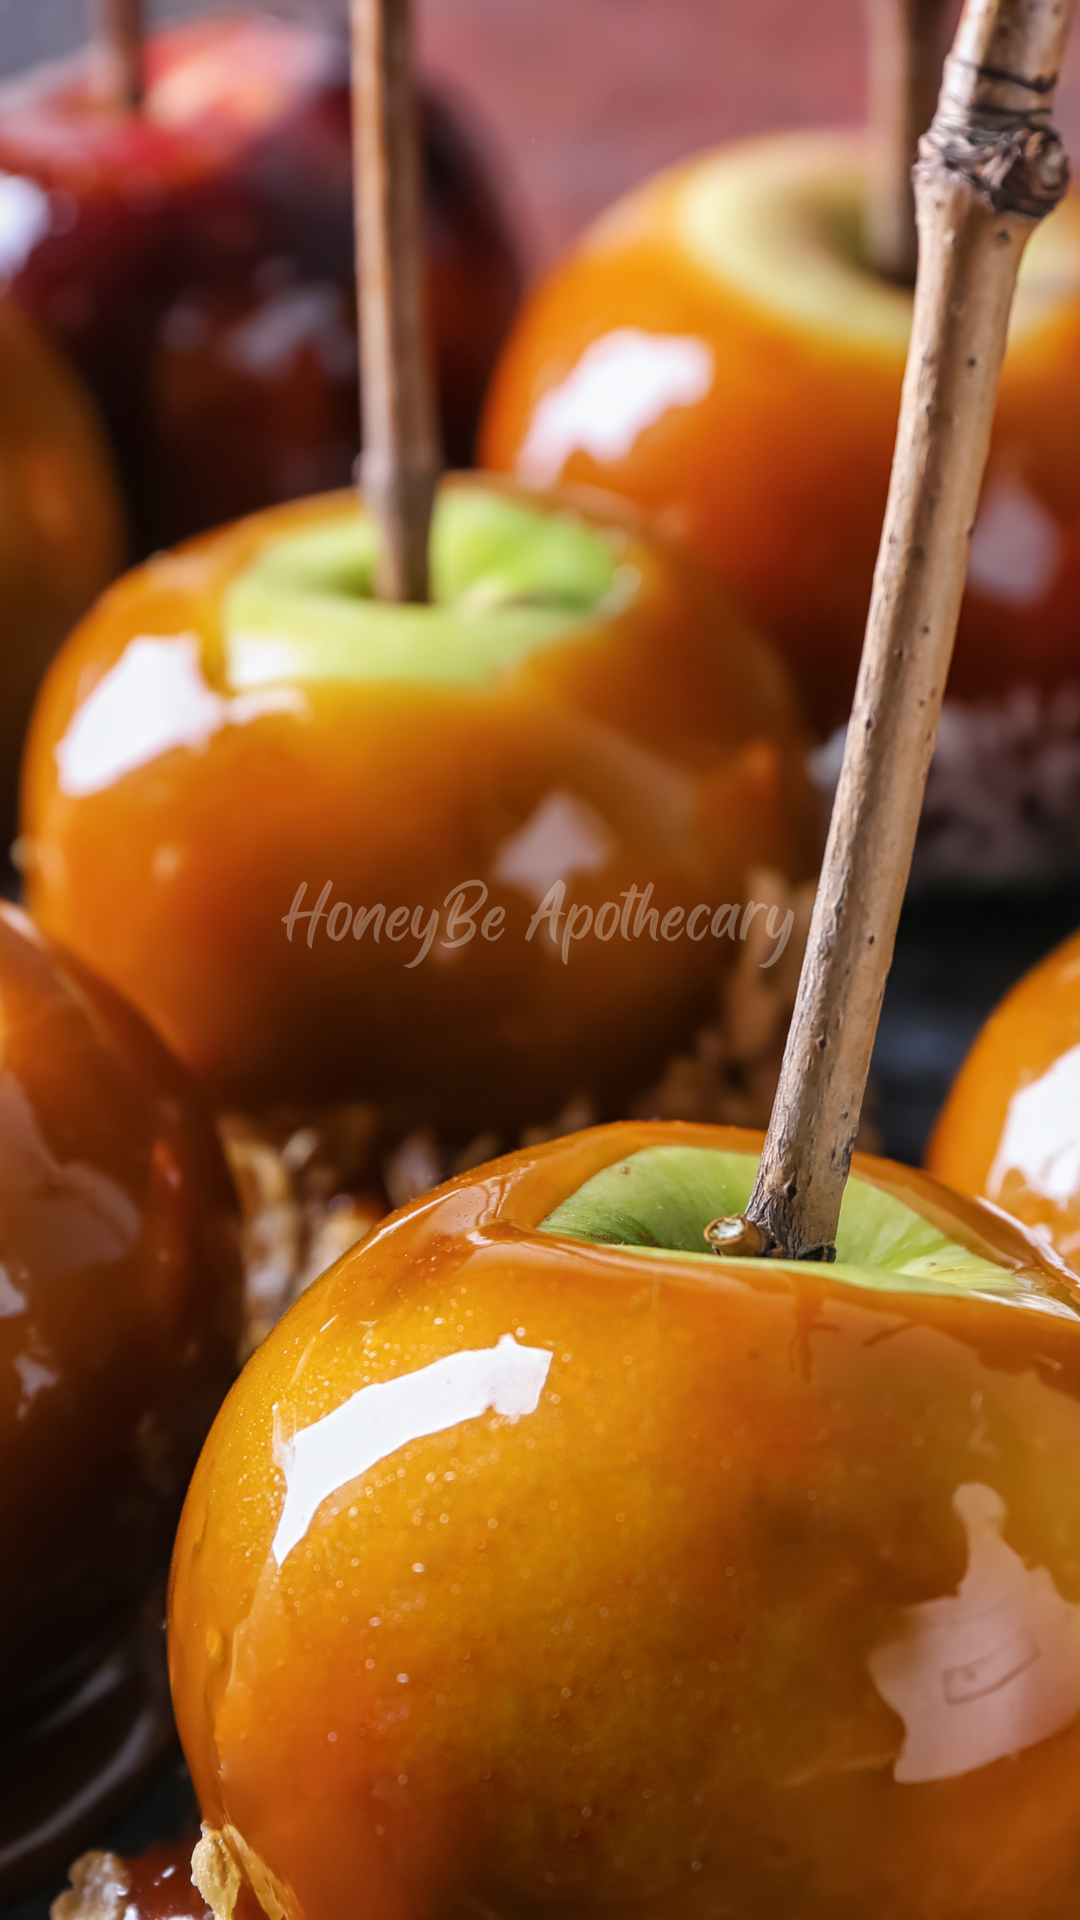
541 1560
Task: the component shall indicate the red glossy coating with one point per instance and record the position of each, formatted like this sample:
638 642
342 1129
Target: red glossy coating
155 1885
159 1885
195 260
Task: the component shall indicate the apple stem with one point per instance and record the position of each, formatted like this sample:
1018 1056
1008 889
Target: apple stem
990 167
400 462
905 52
117 76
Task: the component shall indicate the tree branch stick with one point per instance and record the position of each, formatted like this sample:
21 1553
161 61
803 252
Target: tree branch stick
117 79
905 74
400 462
988 170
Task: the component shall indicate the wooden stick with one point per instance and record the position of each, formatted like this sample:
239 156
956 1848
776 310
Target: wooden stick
117 76
400 462
905 74
989 169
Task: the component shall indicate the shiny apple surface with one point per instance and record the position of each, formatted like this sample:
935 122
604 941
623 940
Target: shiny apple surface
119 1310
119 1330
338 851
716 351
196 262
60 533
1009 1130
529 1572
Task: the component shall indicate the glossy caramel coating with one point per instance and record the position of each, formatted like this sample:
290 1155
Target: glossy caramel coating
663 731
119 1315
1010 1129
614 1648
195 260
160 1886
60 531
776 471
155 1885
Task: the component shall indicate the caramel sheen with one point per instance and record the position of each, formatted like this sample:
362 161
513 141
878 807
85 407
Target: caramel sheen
616 1643
119 1312
775 472
660 721
159 1884
1008 1130
60 533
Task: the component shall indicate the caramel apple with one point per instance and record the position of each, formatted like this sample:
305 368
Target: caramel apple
717 351
540 1559
1009 1127
194 258
119 1328
464 861
60 533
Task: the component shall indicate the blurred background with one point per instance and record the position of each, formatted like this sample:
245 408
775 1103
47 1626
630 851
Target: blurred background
571 103
581 99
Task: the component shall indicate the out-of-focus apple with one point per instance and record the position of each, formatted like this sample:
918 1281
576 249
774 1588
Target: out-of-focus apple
465 861
195 260
716 350
1010 1129
60 529
119 1332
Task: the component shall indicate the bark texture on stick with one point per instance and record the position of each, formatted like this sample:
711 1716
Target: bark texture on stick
905 45
988 170
117 78
400 462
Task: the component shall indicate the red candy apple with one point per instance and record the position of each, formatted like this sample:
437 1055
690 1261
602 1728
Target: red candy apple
195 260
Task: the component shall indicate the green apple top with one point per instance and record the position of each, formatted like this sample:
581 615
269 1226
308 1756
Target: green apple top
467 860
541 1560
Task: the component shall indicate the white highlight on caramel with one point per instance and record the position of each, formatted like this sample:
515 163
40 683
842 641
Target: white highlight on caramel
1016 547
25 218
987 1671
561 837
622 384
1040 1139
153 700
374 1423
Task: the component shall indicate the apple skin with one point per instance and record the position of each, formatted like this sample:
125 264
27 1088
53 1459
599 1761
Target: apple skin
777 474
196 263
1008 1131
60 536
615 1652
666 724
120 1317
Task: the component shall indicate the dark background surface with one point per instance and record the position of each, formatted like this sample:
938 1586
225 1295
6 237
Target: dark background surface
577 100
